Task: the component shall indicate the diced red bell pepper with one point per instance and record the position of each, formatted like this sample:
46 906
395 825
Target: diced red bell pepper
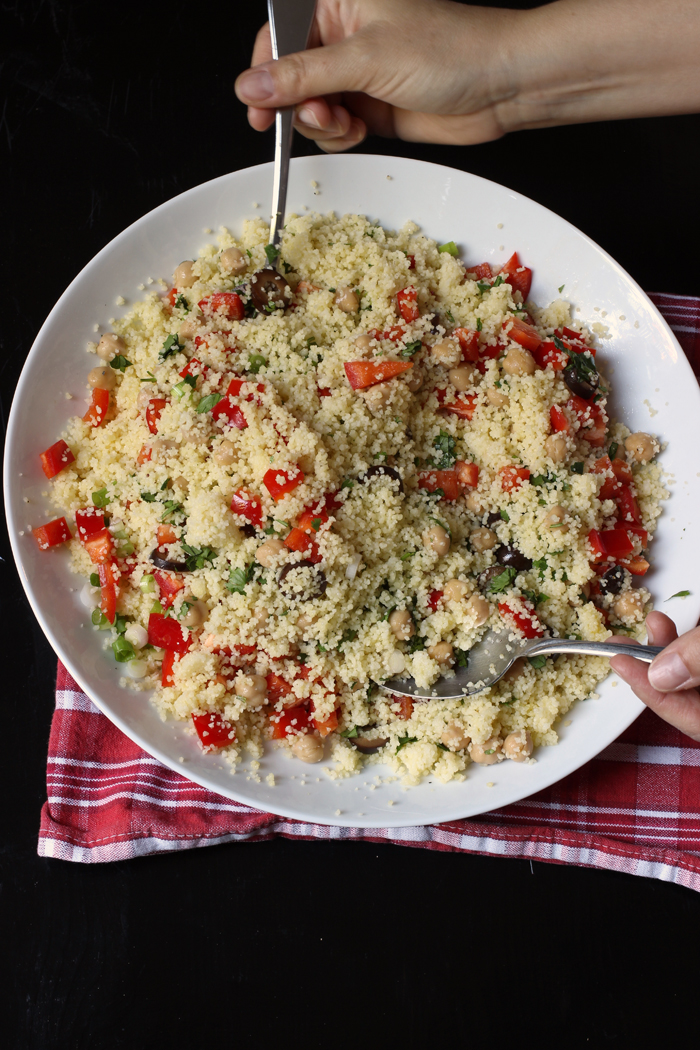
324 391
291 720
100 546
52 533
405 705
592 418
362 374
467 473
434 599
639 532
482 271
108 589
279 482
622 470
522 614
628 506
575 340
547 354
411 262
193 368
214 731
513 477
166 633
277 688
301 541
468 343
144 455
518 277
407 304
463 406
169 660
56 457
154 409
597 546
171 296
236 386
616 543
165 534
522 333
249 507
559 420
228 304
610 486
169 586
327 725
88 521
97 412
446 480
230 413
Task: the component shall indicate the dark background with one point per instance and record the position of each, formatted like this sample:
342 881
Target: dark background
105 112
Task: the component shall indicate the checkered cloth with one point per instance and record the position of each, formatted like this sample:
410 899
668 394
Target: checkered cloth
634 808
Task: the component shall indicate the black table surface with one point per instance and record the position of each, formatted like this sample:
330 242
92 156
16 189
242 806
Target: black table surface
106 113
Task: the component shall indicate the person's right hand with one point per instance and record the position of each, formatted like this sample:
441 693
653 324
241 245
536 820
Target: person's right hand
422 70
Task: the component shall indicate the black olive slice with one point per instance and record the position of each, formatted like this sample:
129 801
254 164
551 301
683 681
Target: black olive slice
513 557
315 588
585 388
378 472
611 582
249 529
494 519
368 746
267 288
165 563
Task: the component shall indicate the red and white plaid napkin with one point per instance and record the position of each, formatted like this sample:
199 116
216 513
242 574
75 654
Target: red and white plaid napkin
633 808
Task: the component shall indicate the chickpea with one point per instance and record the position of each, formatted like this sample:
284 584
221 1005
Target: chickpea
518 746
454 737
252 687
110 345
396 662
483 539
270 552
554 520
629 606
308 748
224 454
102 378
463 377
475 503
480 609
189 328
555 447
136 634
377 397
401 624
414 379
641 447
518 362
194 436
455 590
196 614
347 300
496 398
486 754
232 260
260 616
515 671
180 482
437 539
363 343
441 653
447 353
183 276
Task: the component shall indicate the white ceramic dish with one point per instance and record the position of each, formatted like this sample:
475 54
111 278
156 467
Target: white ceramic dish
488 221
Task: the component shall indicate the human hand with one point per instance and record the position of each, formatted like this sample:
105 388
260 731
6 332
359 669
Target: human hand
422 70
669 684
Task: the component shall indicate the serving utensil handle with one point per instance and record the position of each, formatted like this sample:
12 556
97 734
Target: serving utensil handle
556 646
290 27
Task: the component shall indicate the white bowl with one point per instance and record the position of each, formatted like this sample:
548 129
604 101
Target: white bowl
489 222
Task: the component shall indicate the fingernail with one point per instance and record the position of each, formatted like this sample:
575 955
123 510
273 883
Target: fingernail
668 672
650 633
256 86
307 116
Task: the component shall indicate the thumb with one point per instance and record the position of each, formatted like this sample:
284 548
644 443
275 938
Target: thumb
306 74
678 666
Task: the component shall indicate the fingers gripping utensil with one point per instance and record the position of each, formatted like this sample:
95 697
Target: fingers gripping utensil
496 653
290 28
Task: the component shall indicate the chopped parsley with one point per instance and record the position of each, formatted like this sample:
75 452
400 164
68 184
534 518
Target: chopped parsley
445 444
502 580
543 479
208 402
504 514
612 451
408 554
403 740
540 565
416 644
537 661
149 497
483 286
479 324
350 734
150 378
577 468
182 303
450 247
561 288
272 253
94 579
461 657
449 316
410 349
170 346
679 594
172 510
239 578
443 525
120 363
198 558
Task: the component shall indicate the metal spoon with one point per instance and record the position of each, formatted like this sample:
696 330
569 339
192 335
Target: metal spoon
497 651
290 28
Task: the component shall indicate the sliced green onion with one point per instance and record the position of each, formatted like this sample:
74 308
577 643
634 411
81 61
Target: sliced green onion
94 579
147 584
181 389
99 619
157 608
123 650
450 247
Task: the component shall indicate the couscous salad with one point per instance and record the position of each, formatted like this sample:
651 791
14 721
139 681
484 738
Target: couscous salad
303 472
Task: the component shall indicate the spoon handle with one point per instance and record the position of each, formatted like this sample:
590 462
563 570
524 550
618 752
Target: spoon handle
555 646
290 27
